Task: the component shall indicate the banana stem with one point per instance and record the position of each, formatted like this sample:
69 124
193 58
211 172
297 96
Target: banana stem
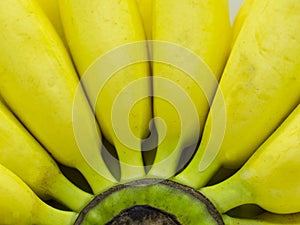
131 162
97 181
166 161
49 216
192 177
238 221
228 194
68 194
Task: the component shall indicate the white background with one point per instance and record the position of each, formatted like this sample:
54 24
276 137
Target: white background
234 7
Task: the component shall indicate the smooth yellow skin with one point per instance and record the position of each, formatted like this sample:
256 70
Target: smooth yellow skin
269 178
24 156
38 82
19 205
145 9
93 28
240 18
202 27
260 86
51 9
265 219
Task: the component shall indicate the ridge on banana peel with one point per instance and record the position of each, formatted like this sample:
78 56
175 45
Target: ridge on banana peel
265 219
260 86
51 9
184 24
39 83
23 155
19 205
145 9
269 178
106 26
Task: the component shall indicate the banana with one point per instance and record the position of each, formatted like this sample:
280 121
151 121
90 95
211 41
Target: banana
260 86
106 26
40 85
51 9
24 156
145 9
269 178
189 56
19 205
265 219
240 18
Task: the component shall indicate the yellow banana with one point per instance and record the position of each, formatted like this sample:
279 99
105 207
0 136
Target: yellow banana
23 155
108 25
269 178
51 9
19 205
265 219
194 56
240 18
145 9
39 83
259 88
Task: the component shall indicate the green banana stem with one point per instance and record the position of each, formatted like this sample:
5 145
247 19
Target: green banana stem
199 179
235 221
228 194
131 162
166 161
49 216
97 181
69 195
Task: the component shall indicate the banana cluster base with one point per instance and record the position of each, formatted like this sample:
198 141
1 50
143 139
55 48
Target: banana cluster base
150 201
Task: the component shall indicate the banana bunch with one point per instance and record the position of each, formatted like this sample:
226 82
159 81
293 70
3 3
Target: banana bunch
143 90
259 88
